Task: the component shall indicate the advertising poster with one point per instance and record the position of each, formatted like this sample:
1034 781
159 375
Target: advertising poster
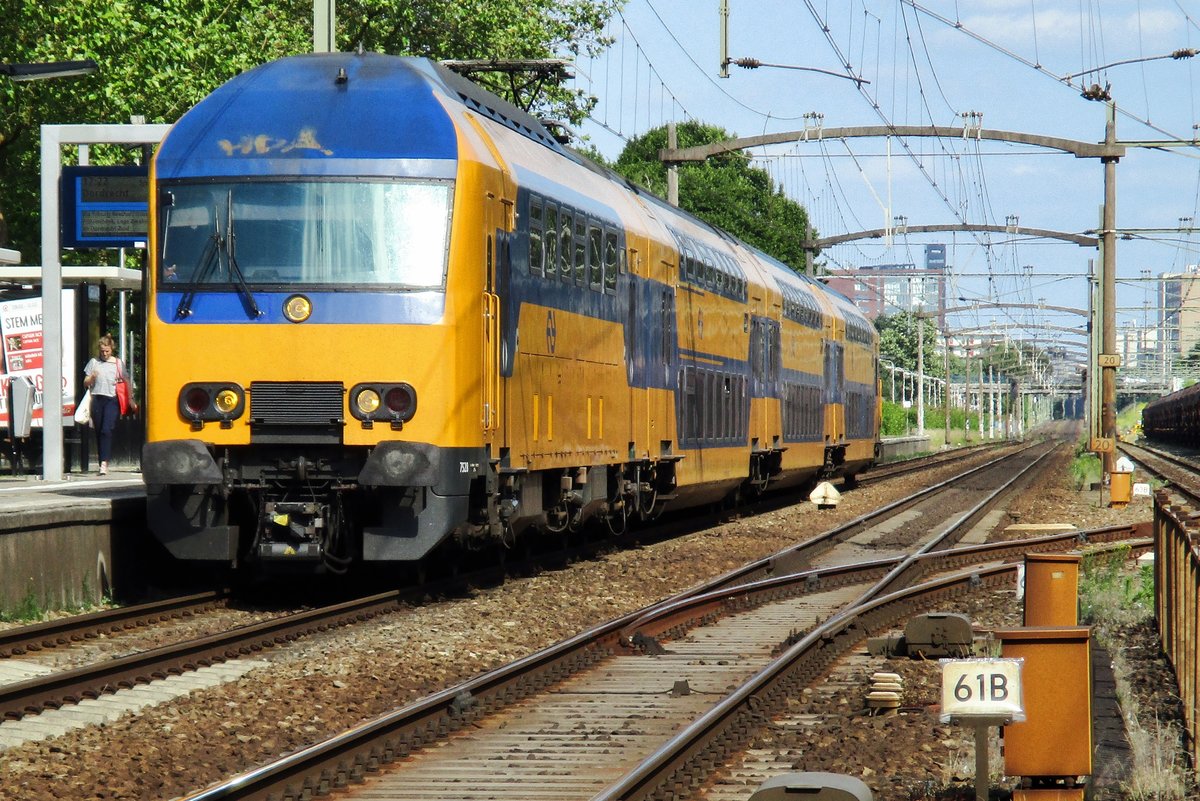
21 337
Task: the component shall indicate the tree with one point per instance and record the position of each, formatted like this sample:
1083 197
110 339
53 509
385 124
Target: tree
898 342
1192 358
159 59
724 191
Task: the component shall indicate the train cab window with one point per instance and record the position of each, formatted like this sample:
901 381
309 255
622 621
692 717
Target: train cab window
580 252
350 234
536 248
566 245
611 260
595 259
551 239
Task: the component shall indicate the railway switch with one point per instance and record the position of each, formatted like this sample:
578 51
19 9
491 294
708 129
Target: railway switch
934 634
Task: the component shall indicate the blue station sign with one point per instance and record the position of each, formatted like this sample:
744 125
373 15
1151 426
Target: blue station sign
105 207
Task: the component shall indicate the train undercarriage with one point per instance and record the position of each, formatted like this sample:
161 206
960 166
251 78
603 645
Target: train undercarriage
323 509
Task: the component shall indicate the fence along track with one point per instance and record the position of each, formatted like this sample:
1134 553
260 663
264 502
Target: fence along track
1177 599
1177 576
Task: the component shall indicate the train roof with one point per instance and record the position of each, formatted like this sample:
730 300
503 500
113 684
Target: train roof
332 113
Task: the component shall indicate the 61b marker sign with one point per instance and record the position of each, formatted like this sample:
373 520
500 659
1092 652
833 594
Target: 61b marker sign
982 688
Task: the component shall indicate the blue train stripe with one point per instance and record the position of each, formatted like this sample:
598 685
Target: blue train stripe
329 308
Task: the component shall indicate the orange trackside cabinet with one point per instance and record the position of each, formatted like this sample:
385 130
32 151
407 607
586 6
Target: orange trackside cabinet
1055 738
1052 589
1120 489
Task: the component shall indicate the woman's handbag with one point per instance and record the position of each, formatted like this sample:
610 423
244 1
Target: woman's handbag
123 397
83 410
124 402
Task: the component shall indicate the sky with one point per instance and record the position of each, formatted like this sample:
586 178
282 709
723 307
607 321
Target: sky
929 62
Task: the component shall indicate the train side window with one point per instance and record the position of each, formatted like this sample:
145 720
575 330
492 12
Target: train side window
611 259
595 259
580 252
535 237
551 239
566 244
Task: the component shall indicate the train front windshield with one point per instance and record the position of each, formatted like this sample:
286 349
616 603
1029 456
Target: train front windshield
344 234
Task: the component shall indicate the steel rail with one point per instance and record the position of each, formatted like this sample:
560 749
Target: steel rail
798 556
54 633
348 757
673 616
90 681
902 467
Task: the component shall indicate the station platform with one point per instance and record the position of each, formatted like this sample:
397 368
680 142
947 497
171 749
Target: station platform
69 543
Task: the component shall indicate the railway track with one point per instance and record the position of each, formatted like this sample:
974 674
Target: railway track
1182 472
610 689
53 690
78 628
905 466
570 721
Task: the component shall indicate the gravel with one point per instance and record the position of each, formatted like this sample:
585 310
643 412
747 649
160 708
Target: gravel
325 684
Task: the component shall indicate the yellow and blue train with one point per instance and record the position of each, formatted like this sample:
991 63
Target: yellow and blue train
388 311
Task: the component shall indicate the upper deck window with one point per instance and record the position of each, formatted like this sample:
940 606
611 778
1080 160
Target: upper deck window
305 233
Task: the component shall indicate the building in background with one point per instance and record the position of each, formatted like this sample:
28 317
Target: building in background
1179 310
879 290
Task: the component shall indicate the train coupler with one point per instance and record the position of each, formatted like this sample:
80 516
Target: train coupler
292 530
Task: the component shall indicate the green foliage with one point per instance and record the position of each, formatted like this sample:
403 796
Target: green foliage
28 610
895 420
724 191
159 59
1085 469
898 339
1110 595
898 421
1191 358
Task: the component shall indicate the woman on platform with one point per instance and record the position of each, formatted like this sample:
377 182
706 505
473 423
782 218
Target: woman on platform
101 376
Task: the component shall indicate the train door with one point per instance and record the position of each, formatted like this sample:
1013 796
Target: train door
765 364
649 346
835 382
491 344
666 355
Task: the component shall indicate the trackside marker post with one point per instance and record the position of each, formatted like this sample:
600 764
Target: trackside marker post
981 693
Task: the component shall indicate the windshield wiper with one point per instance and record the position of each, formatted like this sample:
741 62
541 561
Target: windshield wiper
210 260
204 267
234 270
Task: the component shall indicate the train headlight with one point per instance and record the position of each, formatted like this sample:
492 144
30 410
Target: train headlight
367 402
196 400
391 402
401 401
297 308
226 401
211 401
